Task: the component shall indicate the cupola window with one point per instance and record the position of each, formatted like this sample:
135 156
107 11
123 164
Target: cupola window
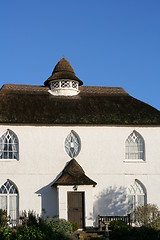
74 85
55 85
65 84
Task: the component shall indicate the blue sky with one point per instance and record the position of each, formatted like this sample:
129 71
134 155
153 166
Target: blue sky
108 43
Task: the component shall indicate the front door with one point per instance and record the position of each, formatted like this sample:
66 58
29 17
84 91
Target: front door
76 208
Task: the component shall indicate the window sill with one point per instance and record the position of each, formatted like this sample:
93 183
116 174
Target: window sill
134 161
9 160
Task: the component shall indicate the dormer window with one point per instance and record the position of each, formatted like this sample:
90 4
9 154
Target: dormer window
63 81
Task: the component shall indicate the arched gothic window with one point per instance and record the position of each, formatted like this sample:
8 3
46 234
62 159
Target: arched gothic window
134 147
9 145
9 200
72 144
136 196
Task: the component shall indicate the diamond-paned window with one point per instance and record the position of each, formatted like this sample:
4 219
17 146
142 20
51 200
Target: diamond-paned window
8 146
55 84
134 146
74 85
65 84
72 144
64 87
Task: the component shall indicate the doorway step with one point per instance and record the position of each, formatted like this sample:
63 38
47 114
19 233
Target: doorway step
91 234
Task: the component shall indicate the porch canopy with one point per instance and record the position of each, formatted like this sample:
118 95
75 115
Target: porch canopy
73 174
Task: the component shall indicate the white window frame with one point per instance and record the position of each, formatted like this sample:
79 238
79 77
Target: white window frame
64 84
72 144
137 192
9 190
134 148
9 146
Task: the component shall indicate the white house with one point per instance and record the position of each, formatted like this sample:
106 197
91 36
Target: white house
76 151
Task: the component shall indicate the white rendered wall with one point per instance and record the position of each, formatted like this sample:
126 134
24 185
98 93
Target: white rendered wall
42 157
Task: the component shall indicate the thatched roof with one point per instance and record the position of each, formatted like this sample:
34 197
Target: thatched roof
25 104
63 70
73 174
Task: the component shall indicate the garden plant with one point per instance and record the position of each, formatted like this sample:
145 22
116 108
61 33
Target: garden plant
35 228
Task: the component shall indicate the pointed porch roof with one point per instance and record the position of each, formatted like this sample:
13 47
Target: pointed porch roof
73 174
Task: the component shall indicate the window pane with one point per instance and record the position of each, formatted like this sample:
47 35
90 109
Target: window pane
13 207
3 202
140 200
130 203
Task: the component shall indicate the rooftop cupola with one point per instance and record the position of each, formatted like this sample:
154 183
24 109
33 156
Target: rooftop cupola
63 81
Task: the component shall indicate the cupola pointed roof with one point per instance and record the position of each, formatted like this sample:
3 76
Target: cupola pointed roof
73 174
63 65
63 70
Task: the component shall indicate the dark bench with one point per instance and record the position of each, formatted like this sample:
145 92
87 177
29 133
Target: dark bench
103 221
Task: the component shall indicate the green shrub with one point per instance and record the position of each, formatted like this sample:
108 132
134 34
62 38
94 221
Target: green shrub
3 218
5 233
47 230
144 233
60 225
29 218
119 230
30 233
117 224
34 228
74 226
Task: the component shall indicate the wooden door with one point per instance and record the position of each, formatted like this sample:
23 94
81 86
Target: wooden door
76 208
